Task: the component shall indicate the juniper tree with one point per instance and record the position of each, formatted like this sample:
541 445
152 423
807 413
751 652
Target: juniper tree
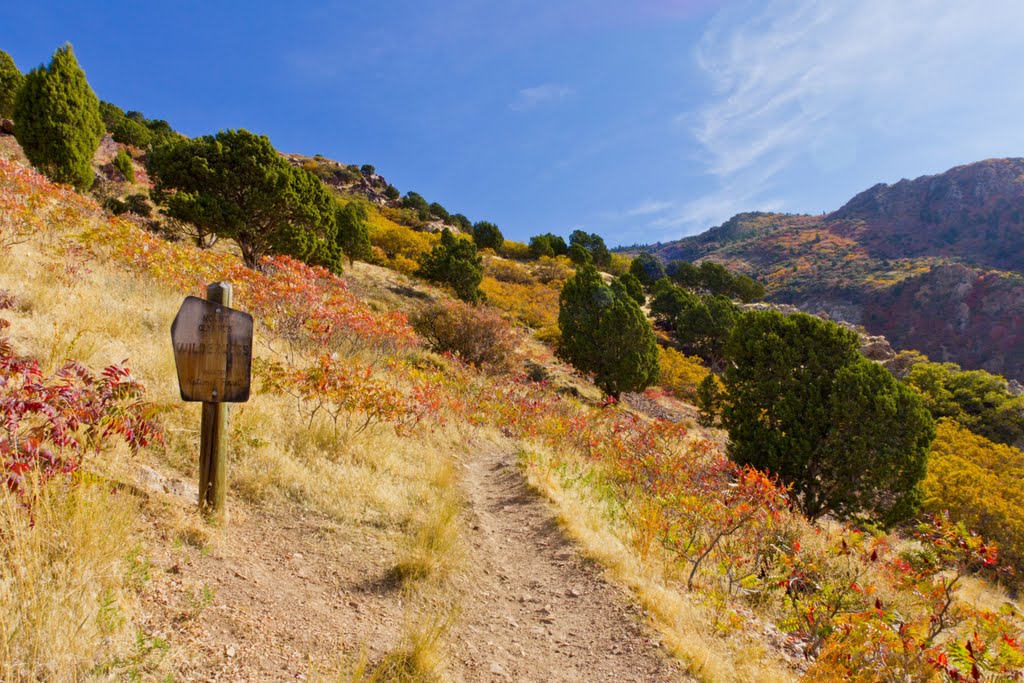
801 402
605 333
235 185
647 269
354 231
10 82
486 235
454 262
57 120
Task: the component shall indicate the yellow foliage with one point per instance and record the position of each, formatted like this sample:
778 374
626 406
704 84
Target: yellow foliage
507 271
533 304
397 240
515 250
620 265
550 269
981 483
680 374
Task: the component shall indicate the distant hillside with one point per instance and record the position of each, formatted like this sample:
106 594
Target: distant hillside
933 263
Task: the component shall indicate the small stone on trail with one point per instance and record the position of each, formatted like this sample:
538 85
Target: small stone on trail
230 651
575 592
496 669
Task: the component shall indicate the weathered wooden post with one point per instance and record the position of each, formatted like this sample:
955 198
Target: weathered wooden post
213 357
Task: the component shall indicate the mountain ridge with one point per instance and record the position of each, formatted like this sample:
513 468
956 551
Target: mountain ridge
886 257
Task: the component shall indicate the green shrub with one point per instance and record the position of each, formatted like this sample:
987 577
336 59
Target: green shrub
454 262
439 212
549 245
978 400
605 333
461 222
594 244
123 163
237 186
647 269
354 231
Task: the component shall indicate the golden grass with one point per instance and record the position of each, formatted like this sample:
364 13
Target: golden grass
688 628
419 657
52 623
64 603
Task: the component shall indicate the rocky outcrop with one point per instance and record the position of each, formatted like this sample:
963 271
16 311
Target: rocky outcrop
958 314
347 178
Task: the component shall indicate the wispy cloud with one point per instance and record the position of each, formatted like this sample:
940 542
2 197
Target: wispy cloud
811 84
649 207
531 98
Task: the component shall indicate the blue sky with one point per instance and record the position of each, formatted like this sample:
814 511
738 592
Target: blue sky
641 121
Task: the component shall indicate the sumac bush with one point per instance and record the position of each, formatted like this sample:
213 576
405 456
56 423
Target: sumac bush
476 334
51 422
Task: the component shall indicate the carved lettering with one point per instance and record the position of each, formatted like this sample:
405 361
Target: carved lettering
212 351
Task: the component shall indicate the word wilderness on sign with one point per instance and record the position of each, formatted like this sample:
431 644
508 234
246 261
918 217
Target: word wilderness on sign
212 352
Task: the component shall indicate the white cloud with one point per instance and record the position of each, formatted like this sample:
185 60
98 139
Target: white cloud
531 98
815 82
648 207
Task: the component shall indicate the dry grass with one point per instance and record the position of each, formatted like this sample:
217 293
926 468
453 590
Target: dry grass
418 657
65 602
688 628
71 562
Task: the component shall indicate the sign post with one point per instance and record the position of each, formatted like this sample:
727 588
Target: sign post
213 357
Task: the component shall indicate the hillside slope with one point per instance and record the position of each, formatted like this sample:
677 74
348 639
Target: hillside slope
347 552
884 260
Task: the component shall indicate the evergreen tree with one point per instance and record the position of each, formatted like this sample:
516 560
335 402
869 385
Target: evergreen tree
454 262
57 120
354 231
236 185
805 405
604 332
593 243
715 278
486 235
439 212
579 255
631 287
647 269
461 222
746 289
709 400
10 83
684 273
668 301
704 325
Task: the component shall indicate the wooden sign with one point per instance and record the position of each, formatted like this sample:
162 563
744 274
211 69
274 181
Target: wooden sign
212 352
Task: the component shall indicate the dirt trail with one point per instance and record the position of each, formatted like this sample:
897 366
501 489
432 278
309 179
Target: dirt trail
538 611
284 593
